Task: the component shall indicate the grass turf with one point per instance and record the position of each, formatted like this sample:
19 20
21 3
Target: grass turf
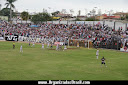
74 64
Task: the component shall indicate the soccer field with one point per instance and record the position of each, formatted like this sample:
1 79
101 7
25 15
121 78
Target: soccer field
73 64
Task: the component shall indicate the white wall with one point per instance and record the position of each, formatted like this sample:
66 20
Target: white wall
49 22
55 22
19 21
63 22
89 22
80 22
119 24
71 22
97 22
109 23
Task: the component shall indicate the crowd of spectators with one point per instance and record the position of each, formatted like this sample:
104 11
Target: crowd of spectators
61 32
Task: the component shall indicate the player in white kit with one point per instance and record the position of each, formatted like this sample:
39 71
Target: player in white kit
21 49
97 53
42 45
48 45
65 48
57 47
33 44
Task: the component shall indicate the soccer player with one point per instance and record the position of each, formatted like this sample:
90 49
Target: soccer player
13 45
51 46
103 61
85 45
33 44
57 47
42 45
65 48
97 53
21 49
78 44
29 43
48 45
60 47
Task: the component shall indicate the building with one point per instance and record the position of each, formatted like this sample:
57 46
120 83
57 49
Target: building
82 17
100 17
121 14
105 16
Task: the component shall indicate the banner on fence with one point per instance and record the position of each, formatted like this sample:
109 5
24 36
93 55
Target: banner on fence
11 38
60 43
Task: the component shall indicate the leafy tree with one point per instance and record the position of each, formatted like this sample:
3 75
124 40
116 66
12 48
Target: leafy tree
55 13
91 19
25 15
127 17
122 18
46 17
40 17
6 12
36 18
77 19
9 3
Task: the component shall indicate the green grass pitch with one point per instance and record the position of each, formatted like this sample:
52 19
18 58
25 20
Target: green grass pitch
74 64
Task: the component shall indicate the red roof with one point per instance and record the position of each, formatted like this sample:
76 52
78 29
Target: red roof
106 16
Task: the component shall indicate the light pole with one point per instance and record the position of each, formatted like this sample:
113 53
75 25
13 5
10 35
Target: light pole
85 13
26 16
94 11
0 7
49 10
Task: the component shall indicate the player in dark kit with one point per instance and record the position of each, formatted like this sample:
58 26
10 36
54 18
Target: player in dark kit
103 61
51 46
29 43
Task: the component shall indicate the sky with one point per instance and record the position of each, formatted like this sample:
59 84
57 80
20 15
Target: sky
83 5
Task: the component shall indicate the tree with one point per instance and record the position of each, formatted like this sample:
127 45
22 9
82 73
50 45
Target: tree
6 12
126 17
55 13
36 18
40 17
25 15
10 3
122 18
46 17
63 11
77 19
45 10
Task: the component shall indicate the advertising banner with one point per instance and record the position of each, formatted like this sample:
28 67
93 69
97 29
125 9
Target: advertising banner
11 38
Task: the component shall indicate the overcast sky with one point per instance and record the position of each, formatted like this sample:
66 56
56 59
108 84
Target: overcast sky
38 5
